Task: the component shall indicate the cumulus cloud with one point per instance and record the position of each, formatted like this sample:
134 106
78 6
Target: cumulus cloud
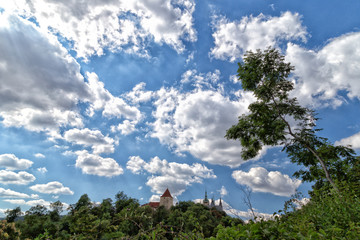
200 80
232 39
138 94
261 180
54 84
115 25
38 202
39 155
15 201
301 202
8 193
20 178
52 188
94 164
32 202
126 128
353 141
11 162
321 75
111 106
135 164
175 176
196 122
53 81
91 138
223 191
42 170
245 214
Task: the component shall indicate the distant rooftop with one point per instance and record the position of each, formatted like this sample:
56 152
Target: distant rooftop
166 193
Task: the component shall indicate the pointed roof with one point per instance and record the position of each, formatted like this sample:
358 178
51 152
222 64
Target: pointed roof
166 193
206 200
212 204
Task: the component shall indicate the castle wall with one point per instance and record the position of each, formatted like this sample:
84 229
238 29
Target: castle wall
167 202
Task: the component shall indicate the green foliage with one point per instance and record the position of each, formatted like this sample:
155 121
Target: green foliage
9 231
276 119
13 214
122 219
327 216
122 201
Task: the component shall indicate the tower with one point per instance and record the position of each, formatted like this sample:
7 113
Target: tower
166 199
212 204
220 207
206 200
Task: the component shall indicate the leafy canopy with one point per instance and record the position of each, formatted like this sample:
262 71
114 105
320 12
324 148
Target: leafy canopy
265 74
278 119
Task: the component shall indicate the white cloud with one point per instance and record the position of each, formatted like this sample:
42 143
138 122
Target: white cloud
154 198
112 106
54 84
20 178
52 188
42 170
38 202
301 202
138 94
196 122
245 214
53 80
39 155
32 202
115 25
91 138
135 164
11 162
126 128
234 79
8 193
232 39
15 201
94 164
261 180
175 176
223 191
353 141
200 80
321 75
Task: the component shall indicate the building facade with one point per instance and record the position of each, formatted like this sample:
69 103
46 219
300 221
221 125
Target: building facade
212 204
166 200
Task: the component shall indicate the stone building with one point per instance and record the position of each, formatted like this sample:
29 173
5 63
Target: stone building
166 200
212 204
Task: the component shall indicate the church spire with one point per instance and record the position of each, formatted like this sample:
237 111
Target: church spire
206 200
212 204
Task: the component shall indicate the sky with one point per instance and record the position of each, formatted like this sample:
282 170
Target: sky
98 97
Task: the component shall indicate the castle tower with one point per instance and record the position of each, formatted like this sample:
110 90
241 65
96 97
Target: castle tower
166 199
212 204
206 200
220 207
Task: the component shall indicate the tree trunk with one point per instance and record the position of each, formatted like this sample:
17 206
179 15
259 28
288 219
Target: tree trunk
327 174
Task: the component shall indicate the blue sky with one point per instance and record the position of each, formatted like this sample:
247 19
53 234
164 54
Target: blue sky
99 97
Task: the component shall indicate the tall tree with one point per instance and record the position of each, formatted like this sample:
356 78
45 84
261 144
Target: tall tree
276 119
11 215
